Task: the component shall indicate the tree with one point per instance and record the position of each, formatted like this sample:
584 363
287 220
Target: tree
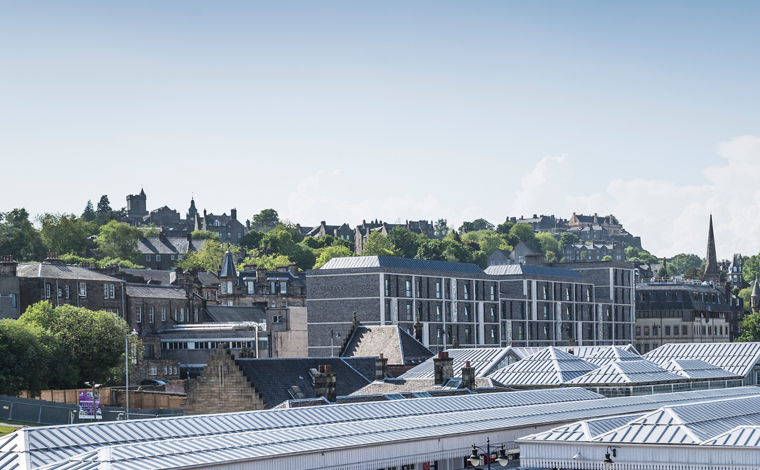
330 252
431 249
441 228
26 358
378 245
475 225
751 268
266 219
151 231
118 240
682 262
607 258
663 272
209 256
454 250
750 328
746 295
302 255
91 342
694 273
524 233
64 233
251 239
487 240
278 240
207 235
19 238
550 257
404 242
89 212
105 214
504 228
584 255
568 239
547 242
631 252
268 262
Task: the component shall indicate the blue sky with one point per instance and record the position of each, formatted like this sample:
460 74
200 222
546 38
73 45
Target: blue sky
343 111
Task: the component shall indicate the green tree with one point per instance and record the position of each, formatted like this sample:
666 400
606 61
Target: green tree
694 273
454 250
746 296
206 235
118 240
151 231
524 233
19 238
475 225
547 242
584 255
631 252
302 255
329 252
378 245
26 359
505 228
607 258
550 257
91 342
89 212
269 262
431 249
441 228
64 233
404 242
488 240
209 256
278 240
104 208
266 219
293 229
663 272
682 262
751 268
252 239
568 239
750 328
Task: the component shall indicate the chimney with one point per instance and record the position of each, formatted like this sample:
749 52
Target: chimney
261 276
535 259
8 266
468 376
443 367
418 330
571 352
52 257
324 384
233 214
381 367
293 268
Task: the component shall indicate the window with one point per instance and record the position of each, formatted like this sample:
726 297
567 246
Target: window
588 294
409 312
387 287
172 257
138 314
195 315
224 288
165 370
147 257
546 291
667 331
180 257
153 370
567 293
493 292
272 287
493 314
250 287
467 338
438 314
229 287
112 291
438 289
684 330
283 287
151 315
182 315
654 330
646 331
158 258
283 304
466 313
278 319
638 331
47 291
163 313
466 291
675 331
419 288
67 290
408 288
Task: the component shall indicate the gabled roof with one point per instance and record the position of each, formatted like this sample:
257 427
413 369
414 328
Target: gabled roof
738 358
484 360
393 386
47 270
236 314
598 355
696 369
164 245
583 430
392 341
628 372
530 269
358 262
740 436
549 367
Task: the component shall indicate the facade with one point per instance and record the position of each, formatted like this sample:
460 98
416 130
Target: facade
680 313
460 305
164 251
168 219
282 288
228 227
362 232
10 292
594 251
344 232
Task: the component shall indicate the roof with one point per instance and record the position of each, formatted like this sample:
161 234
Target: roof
628 372
582 430
549 367
359 262
164 245
302 432
273 377
484 360
740 436
755 289
394 386
599 355
696 369
47 270
158 276
228 266
236 314
392 341
150 291
738 358
531 270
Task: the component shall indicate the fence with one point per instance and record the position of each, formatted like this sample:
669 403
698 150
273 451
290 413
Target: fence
47 412
150 397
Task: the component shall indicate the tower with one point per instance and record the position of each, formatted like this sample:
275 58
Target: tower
228 279
137 205
712 274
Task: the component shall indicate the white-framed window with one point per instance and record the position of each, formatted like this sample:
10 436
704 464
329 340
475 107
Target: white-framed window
147 257
151 314
283 287
47 291
230 303
493 292
217 224
250 287
82 289
60 293
67 291
175 315
138 314
163 313
158 257
153 370
180 257
195 315
224 288
284 303
165 370
112 291
105 291
272 287
229 287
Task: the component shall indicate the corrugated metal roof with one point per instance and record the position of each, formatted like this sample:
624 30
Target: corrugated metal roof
738 358
599 355
696 369
742 436
629 372
484 360
583 430
358 262
315 439
548 367
530 269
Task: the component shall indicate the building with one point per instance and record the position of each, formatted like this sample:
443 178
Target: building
362 232
594 251
164 251
62 284
400 350
10 290
136 208
284 287
540 223
742 359
712 272
344 232
227 227
168 219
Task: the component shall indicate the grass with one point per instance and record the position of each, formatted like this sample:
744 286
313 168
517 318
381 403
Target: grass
6 430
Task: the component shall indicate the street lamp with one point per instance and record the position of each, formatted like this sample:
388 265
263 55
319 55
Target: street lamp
607 460
126 363
501 457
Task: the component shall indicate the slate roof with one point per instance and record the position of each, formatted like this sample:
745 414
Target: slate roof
274 377
549 367
158 276
392 386
236 314
392 341
62 271
696 369
359 262
164 246
531 270
483 360
738 358
228 266
687 302
628 372
149 291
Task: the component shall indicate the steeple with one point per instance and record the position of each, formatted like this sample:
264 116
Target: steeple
228 266
192 211
712 274
755 297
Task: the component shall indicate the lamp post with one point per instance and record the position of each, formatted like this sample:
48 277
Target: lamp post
607 460
501 457
126 363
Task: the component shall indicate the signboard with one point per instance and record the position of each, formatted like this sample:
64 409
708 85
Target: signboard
89 405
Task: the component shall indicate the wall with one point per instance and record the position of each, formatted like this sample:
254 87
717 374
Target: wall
294 341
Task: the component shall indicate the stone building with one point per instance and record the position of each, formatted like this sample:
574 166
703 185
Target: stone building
343 232
400 350
10 293
169 219
680 313
136 208
594 252
62 284
164 251
281 288
227 227
362 232
712 272
540 223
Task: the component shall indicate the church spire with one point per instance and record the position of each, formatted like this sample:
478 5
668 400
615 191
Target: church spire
711 269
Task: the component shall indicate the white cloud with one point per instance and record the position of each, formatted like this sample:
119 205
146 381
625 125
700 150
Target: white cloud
541 187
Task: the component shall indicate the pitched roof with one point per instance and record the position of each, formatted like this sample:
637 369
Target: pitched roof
549 367
150 291
628 372
167 277
392 386
599 355
738 358
228 266
236 314
530 269
484 360
62 271
164 245
392 341
697 369
583 430
358 262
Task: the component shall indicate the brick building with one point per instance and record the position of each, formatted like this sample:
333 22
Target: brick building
594 251
164 251
343 232
281 288
10 293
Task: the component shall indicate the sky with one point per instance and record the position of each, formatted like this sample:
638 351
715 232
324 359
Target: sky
344 111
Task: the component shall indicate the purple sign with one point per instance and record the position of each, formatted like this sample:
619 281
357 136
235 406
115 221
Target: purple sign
89 405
